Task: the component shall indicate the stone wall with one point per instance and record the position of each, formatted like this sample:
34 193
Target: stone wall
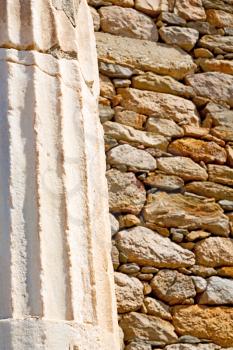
166 103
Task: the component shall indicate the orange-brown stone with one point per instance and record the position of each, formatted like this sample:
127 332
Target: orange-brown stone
198 150
212 323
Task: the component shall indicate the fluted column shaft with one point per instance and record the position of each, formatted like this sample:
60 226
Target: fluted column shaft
56 277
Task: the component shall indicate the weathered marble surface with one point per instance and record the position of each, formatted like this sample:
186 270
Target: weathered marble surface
55 246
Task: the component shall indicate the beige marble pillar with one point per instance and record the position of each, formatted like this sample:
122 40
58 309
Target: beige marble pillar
56 288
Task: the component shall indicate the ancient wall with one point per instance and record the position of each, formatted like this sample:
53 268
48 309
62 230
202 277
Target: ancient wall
166 103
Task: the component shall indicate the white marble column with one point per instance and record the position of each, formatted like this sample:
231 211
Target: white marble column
56 280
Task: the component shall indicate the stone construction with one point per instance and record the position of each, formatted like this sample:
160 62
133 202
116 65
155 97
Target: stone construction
166 71
55 268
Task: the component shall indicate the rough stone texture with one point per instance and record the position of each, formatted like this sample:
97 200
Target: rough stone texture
220 174
138 345
185 38
173 287
214 251
157 308
223 132
106 87
130 118
195 131
191 10
215 86
171 106
214 324
151 7
165 84
146 247
200 283
213 42
223 66
145 55
159 105
210 190
126 193
165 127
127 133
133 159
183 167
164 182
139 326
218 115
128 220
121 21
114 224
219 292
129 292
192 347
123 3
115 70
198 150
218 5
176 210
219 18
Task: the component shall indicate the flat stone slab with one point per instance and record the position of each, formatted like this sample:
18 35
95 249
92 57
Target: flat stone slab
177 210
146 247
144 55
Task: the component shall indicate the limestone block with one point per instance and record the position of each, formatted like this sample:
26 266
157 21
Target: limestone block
148 248
158 83
219 291
126 192
129 292
133 159
131 135
191 10
213 42
144 55
224 66
121 21
165 127
164 182
153 7
198 150
210 189
159 105
215 86
193 347
177 210
221 174
215 251
185 38
225 5
212 323
55 268
140 326
183 167
173 287
157 308
219 18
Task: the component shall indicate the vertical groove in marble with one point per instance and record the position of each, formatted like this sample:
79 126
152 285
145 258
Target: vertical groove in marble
51 197
25 246
5 199
74 184
63 209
